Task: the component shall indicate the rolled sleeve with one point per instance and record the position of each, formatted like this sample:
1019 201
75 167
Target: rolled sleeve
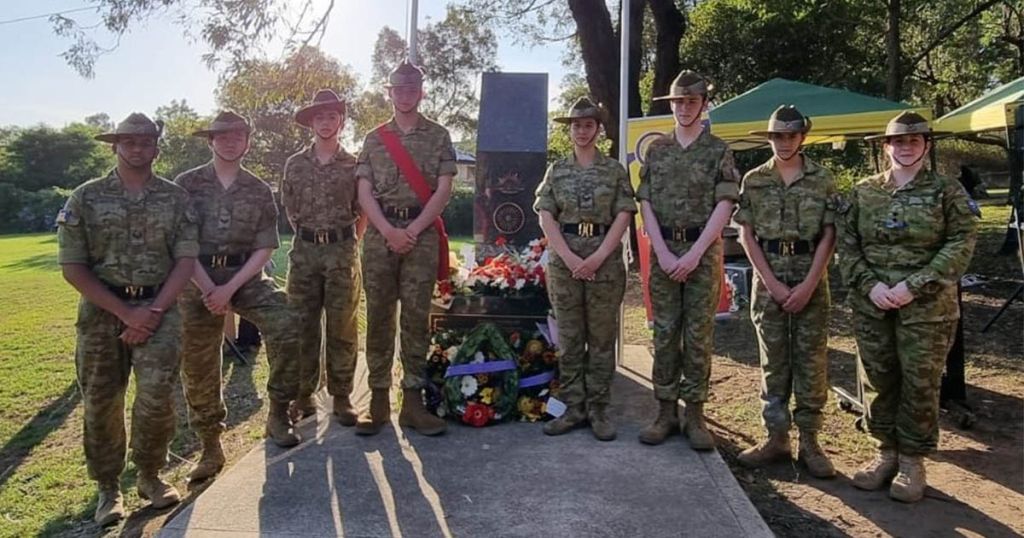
266 236
73 245
545 197
743 212
728 185
832 200
364 170
186 233
625 198
446 165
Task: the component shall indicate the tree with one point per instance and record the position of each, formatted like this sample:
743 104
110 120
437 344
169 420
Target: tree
38 158
818 44
233 30
179 150
453 52
269 93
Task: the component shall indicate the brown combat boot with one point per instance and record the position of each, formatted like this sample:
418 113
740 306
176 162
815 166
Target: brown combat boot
160 494
303 407
377 415
279 425
602 428
414 415
775 448
879 472
212 460
574 416
666 424
813 457
109 505
909 484
344 412
695 429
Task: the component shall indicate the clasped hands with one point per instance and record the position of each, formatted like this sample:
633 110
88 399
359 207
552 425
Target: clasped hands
140 323
886 298
400 240
584 268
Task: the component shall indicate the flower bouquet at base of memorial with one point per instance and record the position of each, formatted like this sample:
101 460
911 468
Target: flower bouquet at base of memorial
481 381
538 373
444 345
509 273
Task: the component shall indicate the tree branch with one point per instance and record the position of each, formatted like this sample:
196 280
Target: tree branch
947 31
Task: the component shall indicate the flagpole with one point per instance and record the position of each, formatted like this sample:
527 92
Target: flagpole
623 149
411 33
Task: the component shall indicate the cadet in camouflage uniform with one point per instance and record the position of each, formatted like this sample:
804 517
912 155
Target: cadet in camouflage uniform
585 203
324 277
907 236
237 234
787 212
688 185
400 251
128 244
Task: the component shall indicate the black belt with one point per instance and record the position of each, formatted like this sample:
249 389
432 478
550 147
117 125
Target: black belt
687 235
585 229
786 248
325 237
133 293
223 260
401 213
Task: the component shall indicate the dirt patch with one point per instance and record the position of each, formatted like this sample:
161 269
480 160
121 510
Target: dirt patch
977 477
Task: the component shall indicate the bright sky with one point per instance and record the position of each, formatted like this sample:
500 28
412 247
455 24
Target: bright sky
156 63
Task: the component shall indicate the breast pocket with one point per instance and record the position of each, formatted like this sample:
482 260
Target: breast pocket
812 212
766 207
244 222
159 228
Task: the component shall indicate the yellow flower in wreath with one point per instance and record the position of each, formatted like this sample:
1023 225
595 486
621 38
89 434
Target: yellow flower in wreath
487 396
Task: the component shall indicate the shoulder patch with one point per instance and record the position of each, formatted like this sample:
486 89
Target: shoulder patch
842 204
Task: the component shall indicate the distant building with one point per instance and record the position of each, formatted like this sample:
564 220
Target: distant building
465 178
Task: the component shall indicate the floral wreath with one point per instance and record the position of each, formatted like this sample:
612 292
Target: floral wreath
482 382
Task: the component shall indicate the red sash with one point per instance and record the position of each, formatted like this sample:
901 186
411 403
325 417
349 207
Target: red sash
414 177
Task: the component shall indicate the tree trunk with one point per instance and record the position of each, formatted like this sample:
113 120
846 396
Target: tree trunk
670 25
600 51
893 53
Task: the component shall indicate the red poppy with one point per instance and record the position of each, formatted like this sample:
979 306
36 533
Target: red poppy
500 241
477 415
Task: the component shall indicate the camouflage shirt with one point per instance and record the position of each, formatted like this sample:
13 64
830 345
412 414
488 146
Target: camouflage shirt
595 194
320 196
431 149
236 220
799 211
683 185
127 239
923 233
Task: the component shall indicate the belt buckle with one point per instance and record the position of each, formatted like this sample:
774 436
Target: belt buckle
403 213
321 237
218 261
133 292
585 229
786 248
678 234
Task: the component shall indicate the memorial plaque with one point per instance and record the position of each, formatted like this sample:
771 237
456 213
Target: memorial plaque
511 157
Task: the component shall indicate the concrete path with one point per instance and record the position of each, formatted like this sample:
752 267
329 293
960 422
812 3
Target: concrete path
504 480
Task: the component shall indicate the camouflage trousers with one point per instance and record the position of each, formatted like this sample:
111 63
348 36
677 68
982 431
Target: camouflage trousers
588 326
324 283
390 279
258 301
103 364
794 358
901 368
684 325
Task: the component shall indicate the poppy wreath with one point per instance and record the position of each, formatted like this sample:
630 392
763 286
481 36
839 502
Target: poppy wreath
538 373
481 383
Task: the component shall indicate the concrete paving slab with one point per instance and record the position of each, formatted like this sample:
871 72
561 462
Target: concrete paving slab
504 480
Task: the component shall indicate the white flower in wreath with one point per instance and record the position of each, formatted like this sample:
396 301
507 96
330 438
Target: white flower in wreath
469 386
478 358
451 352
520 282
